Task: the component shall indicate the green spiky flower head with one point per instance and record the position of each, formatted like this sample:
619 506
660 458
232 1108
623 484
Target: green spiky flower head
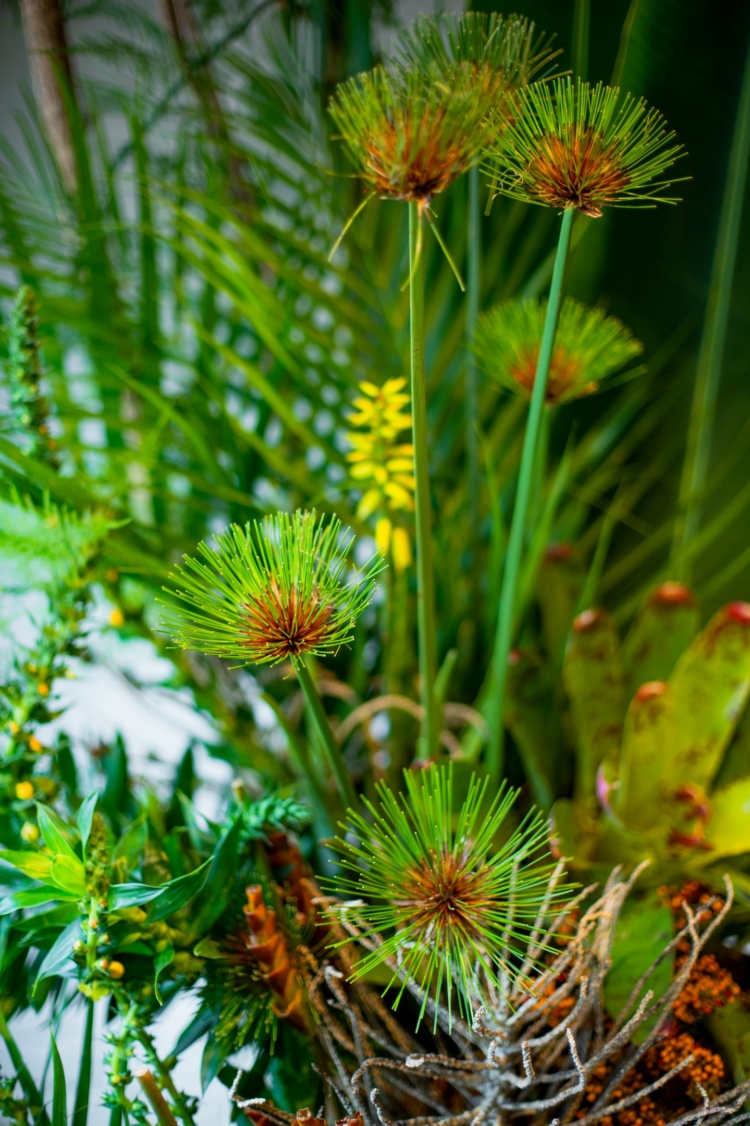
411 131
571 145
589 347
270 591
444 907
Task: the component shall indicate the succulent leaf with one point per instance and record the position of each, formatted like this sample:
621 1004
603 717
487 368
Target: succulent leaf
664 626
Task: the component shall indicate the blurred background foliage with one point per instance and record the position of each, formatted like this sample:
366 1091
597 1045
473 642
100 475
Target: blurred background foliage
201 355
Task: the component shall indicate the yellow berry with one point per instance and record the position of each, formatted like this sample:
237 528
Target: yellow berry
29 833
35 745
116 970
24 791
42 688
117 618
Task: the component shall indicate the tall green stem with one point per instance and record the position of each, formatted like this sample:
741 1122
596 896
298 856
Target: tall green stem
83 1089
328 739
425 576
710 356
506 610
473 263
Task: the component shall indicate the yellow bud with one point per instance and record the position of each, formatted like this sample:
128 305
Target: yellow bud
42 688
29 833
13 727
117 618
116 970
24 791
35 745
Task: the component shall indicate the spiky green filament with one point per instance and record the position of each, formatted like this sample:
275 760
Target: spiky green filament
589 347
449 906
571 145
507 45
270 591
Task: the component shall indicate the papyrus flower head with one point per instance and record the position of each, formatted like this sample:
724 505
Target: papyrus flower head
589 347
573 145
412 130
444 904
270 591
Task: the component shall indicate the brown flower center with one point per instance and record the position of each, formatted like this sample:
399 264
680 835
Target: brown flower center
578 171
277 628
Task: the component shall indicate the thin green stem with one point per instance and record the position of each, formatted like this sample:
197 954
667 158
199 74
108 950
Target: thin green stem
711 353
29 1087
83 1089
425 577
506 610
328 739
580 45
473 264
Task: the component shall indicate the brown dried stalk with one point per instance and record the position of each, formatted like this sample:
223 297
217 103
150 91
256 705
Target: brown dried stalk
527 1055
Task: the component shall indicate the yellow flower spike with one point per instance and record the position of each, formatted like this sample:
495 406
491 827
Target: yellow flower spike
401 550
383 530
24 791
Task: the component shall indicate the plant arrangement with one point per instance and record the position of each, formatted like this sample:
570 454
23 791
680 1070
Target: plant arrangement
480 858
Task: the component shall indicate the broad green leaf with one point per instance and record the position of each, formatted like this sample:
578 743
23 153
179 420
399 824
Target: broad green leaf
676 731
58 957
664 626
161 961
736 761
214 896
530 717
728 829
69 874
710 686
86 816
730 1028
34 897
215 1052
559 585
643 929
594 682
131 844
178 892
83 1087
35 864
54 832
59 1091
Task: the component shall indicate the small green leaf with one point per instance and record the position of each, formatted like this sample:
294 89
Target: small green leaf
34 897
219 881
161 961
131 844
644 928
83 1087
54 832
132 895
215 1053
179 892
86 816
69 874
35 864
208 948
59 955
59 1091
